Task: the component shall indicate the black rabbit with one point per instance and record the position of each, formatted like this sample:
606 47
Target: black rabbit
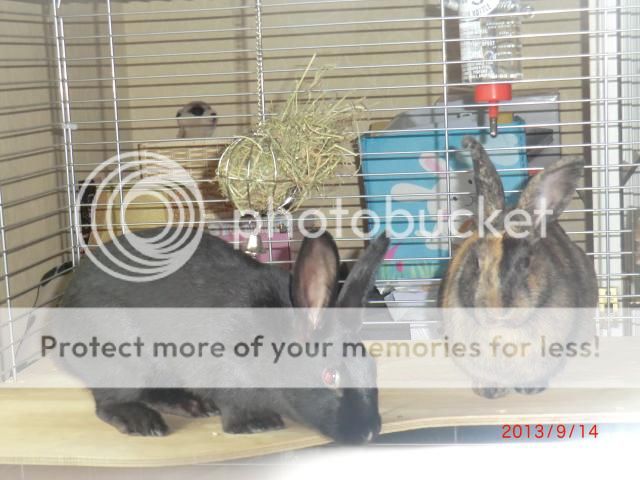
219 276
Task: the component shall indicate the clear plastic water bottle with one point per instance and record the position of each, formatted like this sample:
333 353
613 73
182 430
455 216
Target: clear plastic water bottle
490 47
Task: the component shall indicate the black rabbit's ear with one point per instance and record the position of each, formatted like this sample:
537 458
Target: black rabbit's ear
315 274
548 193
361 278
486 178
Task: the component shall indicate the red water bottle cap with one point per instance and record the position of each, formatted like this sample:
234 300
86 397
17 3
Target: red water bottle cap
493 93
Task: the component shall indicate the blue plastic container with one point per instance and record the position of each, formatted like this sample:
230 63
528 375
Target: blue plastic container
407 190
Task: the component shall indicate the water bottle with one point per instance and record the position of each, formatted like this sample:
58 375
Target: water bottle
490 48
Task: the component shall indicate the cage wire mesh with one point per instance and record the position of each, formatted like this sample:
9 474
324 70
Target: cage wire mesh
86 81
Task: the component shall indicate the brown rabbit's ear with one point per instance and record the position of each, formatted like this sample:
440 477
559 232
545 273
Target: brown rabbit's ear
464 230
360 281
487 180
551 190
315 275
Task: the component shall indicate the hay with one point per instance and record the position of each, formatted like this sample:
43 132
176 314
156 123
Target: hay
291 155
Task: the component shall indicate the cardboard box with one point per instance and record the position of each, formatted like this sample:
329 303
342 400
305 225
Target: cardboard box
200 159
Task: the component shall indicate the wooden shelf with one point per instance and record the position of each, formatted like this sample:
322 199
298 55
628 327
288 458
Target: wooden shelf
57 426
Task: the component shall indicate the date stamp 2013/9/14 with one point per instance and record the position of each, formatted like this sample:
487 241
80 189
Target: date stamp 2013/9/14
549 431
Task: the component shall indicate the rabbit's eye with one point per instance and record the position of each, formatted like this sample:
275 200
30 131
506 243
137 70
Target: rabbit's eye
331 377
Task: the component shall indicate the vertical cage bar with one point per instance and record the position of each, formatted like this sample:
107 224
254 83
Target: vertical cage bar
445 103
116 118
260 63
242 60
630 133
7 287
605 65
262 112
65 114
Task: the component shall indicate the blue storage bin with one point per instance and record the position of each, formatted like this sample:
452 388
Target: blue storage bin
405 172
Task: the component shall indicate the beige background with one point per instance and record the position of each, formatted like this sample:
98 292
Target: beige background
387 52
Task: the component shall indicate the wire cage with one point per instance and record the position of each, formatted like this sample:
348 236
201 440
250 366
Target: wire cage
84 82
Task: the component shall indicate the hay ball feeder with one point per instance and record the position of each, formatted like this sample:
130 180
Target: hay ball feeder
290 155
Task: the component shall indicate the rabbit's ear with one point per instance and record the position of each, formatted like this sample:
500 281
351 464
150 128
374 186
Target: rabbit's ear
486 178
315 274
551 191
463 232
360 280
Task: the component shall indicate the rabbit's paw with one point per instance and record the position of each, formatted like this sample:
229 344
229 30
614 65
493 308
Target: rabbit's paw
530 390
253 423
181 403
133 419
209 408
490 393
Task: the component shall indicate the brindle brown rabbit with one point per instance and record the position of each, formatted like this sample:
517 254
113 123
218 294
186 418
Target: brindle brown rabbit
516 279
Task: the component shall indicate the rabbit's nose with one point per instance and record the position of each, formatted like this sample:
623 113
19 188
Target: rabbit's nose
372 434
486 317
502 316
492 321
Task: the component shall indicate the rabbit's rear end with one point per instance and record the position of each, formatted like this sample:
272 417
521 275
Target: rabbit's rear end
216 276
